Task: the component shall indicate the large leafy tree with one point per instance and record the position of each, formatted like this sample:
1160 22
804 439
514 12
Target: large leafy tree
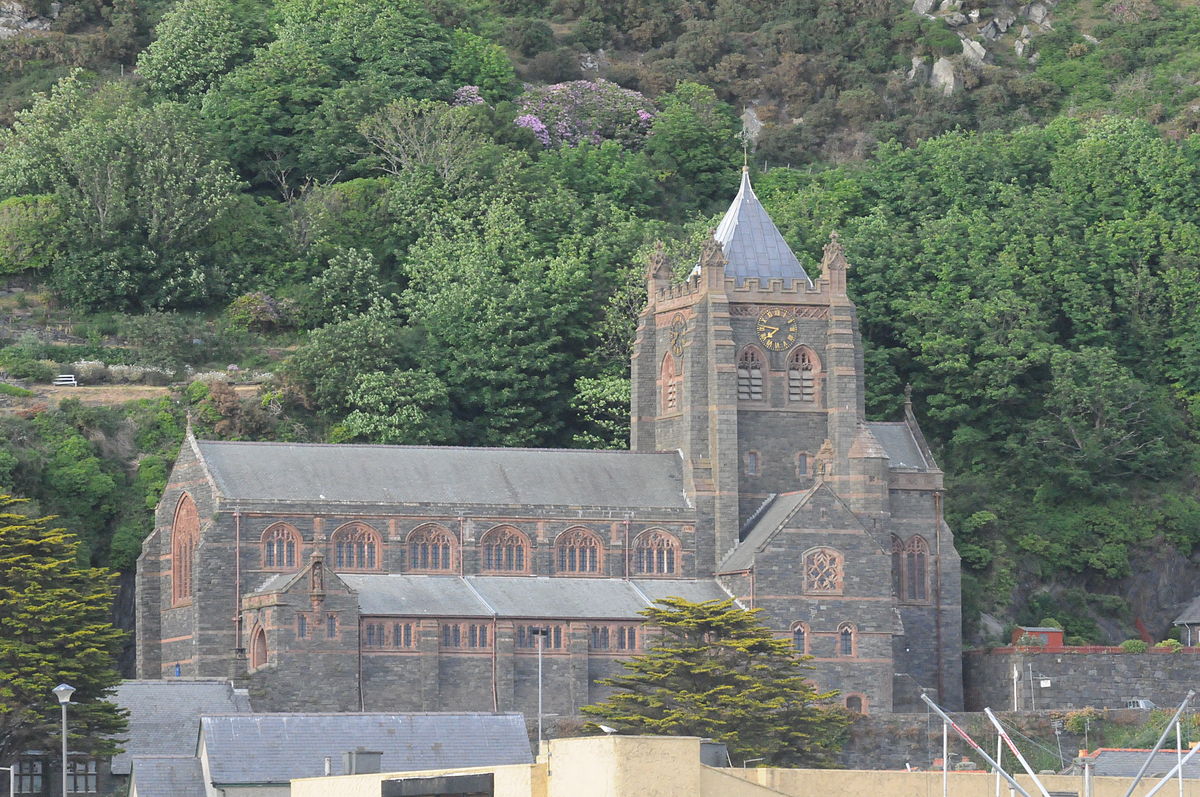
54 628
718 672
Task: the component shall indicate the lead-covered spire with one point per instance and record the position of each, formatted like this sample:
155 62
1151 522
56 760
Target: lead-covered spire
752 244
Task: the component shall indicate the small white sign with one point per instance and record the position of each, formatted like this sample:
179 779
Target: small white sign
1045 682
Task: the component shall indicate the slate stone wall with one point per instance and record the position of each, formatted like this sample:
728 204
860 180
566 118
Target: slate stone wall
1100 680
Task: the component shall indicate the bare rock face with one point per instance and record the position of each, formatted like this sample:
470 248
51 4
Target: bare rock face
945 77
920 71
990 31
16 18
924 7
973 51
1037 13
751 124
956 20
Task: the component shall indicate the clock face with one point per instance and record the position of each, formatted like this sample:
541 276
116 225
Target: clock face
777 328
678 327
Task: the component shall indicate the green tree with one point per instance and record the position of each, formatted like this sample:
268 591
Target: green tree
198 42
694 147
479 62
55 618
718 672
400 408
601 406
347 287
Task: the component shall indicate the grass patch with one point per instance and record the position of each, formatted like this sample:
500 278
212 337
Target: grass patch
13 390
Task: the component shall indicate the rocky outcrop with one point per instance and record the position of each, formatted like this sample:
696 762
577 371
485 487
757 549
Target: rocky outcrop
945 77
16 18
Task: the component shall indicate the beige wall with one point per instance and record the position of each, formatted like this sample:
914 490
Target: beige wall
658 766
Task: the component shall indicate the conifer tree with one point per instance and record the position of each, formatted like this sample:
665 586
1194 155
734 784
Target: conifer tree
54 628
718 672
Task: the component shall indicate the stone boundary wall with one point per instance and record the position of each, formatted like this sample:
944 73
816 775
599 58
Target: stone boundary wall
1071 678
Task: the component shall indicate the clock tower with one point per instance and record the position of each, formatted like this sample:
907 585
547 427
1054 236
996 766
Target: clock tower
750 368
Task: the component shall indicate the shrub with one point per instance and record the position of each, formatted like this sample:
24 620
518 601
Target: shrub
584 110
1173 645
90 372
1134 646
13 390
260 312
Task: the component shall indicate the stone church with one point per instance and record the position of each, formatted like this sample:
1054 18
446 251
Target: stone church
396 578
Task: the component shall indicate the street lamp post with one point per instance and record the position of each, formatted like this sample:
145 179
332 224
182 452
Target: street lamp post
63 692
541 634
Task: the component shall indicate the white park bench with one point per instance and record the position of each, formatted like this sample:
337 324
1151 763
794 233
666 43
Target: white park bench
67 380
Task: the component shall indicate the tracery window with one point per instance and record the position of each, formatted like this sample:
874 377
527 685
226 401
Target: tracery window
357 547
910 569
802 370
823 572
578 551
464 636
280 543
258 649
525 637
800 638
656 553
846 639
749 374
185 532
505 550
670 379
431 549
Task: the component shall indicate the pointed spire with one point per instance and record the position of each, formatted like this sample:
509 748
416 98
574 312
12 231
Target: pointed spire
753 245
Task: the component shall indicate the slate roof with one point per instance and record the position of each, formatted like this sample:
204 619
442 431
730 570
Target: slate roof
752 243
901 447
782 508
274 748
168 776
519 596
1191 613
370 474
1126 763
163 715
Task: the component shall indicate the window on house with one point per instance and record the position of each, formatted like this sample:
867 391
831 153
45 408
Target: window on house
655 553
752 463
431 549
402 635
373 635
465 636
749 374
525 637
82 776
802 375
803 467
331 626
823 572
845 639
800 639
357 547
185 533
279 546
670 378
302 626
916 571
578 551
258 649
614 637
29 776
855 703
505 550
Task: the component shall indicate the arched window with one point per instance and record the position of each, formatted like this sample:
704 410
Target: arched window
803 465
505 550
578 551
749 373
846 639
800 638
258 649
803 369
357 547
655 553
279 546
185 533
753 463
823 572
670 379
856 703
916 570
431 549
898 567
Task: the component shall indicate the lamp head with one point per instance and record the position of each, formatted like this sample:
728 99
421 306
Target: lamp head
63 692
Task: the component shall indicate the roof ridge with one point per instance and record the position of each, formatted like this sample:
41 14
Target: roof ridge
619 451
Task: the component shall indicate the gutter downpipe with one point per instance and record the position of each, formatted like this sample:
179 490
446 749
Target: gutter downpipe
237 579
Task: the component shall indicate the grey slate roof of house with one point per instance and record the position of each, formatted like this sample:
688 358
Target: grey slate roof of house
370 474
168 776
1126 763
519 596
274 748
781 508
752 243
901 447
1191 613
163 715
